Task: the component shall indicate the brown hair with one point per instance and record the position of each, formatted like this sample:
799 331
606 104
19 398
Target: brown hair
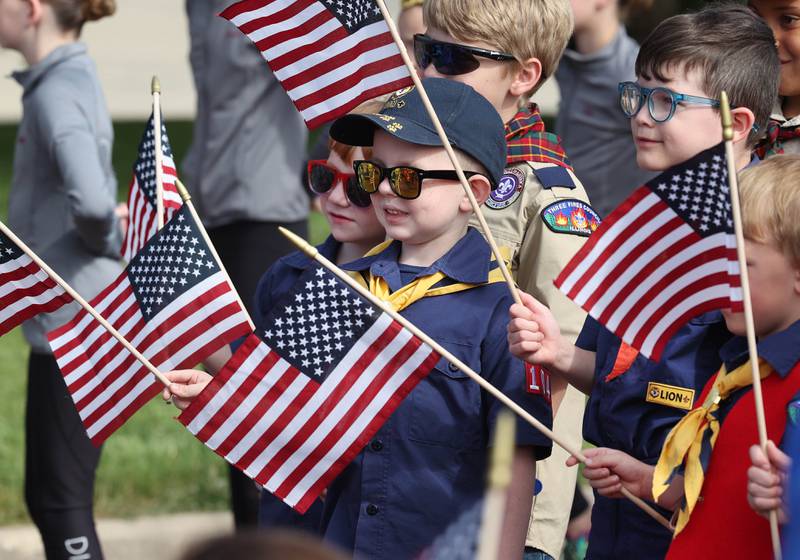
733 49
72 14
771 204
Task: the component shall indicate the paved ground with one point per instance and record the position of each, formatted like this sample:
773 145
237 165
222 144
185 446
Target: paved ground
153 538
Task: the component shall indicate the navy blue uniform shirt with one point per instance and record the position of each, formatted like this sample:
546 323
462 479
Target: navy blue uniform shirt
275 283
619 416
427 463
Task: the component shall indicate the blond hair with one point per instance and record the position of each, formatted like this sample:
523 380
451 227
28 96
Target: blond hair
770 203
525 28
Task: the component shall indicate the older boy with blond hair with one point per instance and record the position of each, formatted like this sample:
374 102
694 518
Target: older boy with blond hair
540 212
719 523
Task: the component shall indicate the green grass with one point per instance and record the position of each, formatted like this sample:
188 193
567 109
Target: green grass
152 464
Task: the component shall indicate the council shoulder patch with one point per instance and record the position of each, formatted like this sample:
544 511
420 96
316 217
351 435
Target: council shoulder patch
508 189
571 216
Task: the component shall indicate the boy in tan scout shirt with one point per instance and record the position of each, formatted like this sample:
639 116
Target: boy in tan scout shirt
540 212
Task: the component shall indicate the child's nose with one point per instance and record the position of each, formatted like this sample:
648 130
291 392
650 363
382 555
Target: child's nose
337 195
643 116
385 188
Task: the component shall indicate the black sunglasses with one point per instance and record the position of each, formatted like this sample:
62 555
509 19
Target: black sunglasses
405 181
322 177
451 59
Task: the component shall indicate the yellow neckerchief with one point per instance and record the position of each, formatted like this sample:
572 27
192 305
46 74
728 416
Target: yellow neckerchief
696 431
357 276
423 287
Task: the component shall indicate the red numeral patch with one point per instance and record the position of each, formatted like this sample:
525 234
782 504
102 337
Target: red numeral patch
537 381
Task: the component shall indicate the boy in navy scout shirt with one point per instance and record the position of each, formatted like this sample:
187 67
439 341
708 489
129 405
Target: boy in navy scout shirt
427 463
719 48
506 49
713 518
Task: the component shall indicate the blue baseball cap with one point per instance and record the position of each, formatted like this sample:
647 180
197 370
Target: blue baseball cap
471 123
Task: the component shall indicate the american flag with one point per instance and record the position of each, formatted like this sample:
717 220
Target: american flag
300 399
25 289
665 255
143 221
329 55
172 303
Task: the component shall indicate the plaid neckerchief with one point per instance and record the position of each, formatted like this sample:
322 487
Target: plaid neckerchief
529 141
772 143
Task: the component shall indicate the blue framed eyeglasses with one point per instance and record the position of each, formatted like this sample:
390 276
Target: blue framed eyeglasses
661 101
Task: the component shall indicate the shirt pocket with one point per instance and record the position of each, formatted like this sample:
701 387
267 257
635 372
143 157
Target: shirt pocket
446 405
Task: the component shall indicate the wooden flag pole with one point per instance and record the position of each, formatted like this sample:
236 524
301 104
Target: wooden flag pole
733 183
449 149
312 252
155 89
494 502
187 200
83 303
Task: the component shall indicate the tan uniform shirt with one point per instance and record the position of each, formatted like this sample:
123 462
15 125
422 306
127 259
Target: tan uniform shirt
538 254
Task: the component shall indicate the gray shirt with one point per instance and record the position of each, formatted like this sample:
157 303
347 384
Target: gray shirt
249 141
63 190
594 131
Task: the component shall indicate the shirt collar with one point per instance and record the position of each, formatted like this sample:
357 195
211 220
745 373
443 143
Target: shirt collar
778 116
328 249
781 350
468 261
29 77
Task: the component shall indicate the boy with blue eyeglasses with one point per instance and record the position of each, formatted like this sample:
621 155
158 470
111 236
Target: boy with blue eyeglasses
682 67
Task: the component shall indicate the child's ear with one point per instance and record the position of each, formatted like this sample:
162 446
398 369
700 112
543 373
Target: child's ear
481 187
797 280
526 78
34 11
743 120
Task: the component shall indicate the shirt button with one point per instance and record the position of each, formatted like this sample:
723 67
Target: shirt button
452 367
376 445
372 509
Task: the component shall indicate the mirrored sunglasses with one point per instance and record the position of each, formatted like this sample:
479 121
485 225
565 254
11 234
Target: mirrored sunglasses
405 181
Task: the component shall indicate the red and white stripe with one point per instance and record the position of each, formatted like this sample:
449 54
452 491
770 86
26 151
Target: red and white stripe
325 70
26 290
293 435
647 272
106 382
142 222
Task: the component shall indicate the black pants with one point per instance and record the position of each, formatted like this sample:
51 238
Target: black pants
60 464
247 250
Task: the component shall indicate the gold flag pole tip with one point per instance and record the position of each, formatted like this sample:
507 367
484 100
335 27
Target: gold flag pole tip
182 191
155 85
301 243
727 120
